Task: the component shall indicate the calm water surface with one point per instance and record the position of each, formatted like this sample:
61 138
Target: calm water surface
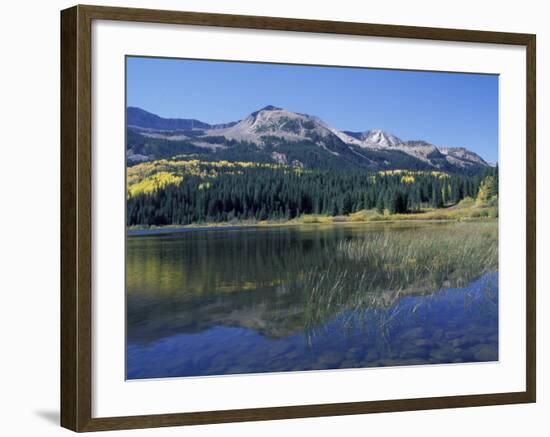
214 302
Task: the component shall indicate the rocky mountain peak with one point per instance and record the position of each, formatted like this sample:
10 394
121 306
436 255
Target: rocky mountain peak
381 138
277 129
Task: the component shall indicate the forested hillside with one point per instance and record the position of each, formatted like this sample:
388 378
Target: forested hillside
182 192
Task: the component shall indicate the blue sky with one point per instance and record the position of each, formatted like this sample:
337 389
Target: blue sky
446 109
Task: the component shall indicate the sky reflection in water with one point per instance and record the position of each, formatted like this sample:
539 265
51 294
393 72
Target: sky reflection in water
255 321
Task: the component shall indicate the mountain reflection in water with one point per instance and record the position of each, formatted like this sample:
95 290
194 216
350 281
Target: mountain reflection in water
301 298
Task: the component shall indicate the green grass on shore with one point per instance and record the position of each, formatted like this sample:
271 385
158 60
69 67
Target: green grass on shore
467 209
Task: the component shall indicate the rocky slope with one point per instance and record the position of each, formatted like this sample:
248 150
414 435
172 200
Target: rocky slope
274 134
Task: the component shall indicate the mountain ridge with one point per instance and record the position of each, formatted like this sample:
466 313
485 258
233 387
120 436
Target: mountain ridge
273 134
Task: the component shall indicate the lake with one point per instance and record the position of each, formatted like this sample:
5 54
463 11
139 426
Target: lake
313 297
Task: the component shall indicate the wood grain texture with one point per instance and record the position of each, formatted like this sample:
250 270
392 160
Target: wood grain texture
76 217
531 216
300 25
69 374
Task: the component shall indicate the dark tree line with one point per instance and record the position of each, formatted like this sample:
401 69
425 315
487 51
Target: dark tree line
274 194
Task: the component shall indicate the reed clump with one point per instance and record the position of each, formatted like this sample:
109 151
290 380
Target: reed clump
378 269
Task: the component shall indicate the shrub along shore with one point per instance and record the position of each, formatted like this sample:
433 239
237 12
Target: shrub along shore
467 209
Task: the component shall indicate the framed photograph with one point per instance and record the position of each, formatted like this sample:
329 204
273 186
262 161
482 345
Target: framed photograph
268 218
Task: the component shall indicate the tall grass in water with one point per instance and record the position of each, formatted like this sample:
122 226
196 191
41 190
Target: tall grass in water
378 269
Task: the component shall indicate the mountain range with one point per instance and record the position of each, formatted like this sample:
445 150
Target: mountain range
274 134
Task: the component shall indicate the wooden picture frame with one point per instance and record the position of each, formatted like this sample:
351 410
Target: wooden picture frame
76 217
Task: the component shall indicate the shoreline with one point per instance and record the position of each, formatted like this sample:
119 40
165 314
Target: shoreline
169 229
